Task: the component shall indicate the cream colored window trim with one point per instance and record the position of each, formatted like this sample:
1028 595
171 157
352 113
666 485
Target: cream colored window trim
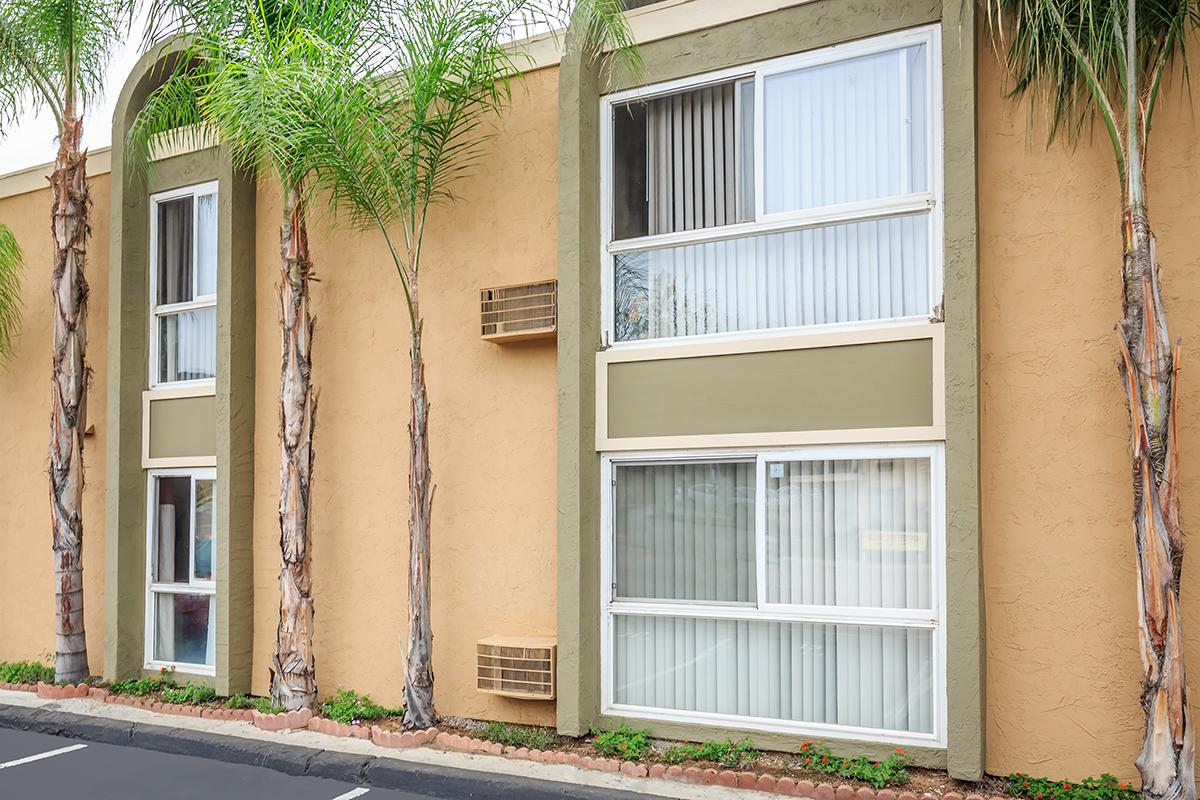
172 393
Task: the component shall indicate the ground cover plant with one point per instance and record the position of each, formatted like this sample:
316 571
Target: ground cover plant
25 672
521 736
262 705
191 693
1106 787
889 772
349 708
624 742
728 754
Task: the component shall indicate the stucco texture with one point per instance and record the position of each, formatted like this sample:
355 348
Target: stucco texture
26 561
492 431
1063 673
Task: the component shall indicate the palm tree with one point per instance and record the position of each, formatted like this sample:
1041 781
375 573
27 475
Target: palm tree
394 150
54 55
10 290
1107 58
256 75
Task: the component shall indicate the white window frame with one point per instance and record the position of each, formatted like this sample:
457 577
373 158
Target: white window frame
198 301
930 201
930 619
193 586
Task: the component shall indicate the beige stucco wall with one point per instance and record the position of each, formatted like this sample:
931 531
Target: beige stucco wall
1063 674
26 563
492 431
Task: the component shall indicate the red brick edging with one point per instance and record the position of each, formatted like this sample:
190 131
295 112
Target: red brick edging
304 719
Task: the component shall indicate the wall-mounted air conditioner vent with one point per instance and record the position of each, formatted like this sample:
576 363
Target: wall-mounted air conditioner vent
524 311
516 666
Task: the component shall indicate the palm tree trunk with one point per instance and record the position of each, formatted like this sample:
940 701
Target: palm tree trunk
418 675
1150 366
68 416
293 672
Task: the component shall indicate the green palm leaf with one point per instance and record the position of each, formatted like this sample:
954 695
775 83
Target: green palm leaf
10 290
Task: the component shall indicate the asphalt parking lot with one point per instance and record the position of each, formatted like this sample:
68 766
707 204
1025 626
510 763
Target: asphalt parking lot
37 765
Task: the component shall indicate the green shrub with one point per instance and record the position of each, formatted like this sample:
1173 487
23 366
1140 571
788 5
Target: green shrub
260 704
136 686
1106 787
889 772
728 754
189 694
25 672
624 742
349 707
517 736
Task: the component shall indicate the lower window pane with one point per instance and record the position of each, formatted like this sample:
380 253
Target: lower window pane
183 628
866 677
172 529
187 343
876 269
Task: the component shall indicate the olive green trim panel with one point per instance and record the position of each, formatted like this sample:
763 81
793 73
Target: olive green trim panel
779 33
227 417
878 385
182 427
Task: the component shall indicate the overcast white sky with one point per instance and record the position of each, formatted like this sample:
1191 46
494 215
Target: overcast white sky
33 142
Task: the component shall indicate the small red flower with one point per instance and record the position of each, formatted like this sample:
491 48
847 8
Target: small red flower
1066 785
1122 786
1039 796
900 750
824 760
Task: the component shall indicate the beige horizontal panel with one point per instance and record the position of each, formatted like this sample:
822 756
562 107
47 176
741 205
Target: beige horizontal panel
887 384
181 428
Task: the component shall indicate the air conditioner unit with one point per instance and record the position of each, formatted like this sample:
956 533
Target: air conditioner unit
518 312
516 666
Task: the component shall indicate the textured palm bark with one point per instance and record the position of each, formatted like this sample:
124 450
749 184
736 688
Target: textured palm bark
293 670
418 676
1150 366
68 416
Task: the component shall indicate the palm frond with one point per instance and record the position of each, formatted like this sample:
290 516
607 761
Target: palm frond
10 291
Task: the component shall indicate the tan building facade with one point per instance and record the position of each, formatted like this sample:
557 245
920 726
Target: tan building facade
955 407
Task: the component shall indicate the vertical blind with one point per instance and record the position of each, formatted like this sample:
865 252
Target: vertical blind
849 131
844 533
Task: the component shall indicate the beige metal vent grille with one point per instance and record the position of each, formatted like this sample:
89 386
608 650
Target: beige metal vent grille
516 666
523 311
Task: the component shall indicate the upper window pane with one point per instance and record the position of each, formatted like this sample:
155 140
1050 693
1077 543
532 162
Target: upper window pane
849 533
685 532
175 251
172 530
844 132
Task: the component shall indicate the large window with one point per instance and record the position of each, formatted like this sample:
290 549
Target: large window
779 590
787 194
183 285
181 587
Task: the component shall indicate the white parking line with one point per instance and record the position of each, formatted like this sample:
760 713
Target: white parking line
351 794
40 756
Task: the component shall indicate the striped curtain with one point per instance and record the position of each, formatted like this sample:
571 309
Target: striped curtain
838 533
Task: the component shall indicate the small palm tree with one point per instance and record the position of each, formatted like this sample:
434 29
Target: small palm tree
1107 59
256 75
10 290
394 150
54 55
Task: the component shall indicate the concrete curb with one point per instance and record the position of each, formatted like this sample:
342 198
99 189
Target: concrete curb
368 770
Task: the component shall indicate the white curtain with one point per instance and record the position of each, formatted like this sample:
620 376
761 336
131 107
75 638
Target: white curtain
843 132
849 533
876 269
188 345
872 677
686 532
206 245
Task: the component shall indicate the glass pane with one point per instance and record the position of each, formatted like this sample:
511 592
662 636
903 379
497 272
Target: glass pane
206 245
849 533
187 344
203 556
183 628
868 677
685 532
877 269
172 529
745 167
848 131
174 277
